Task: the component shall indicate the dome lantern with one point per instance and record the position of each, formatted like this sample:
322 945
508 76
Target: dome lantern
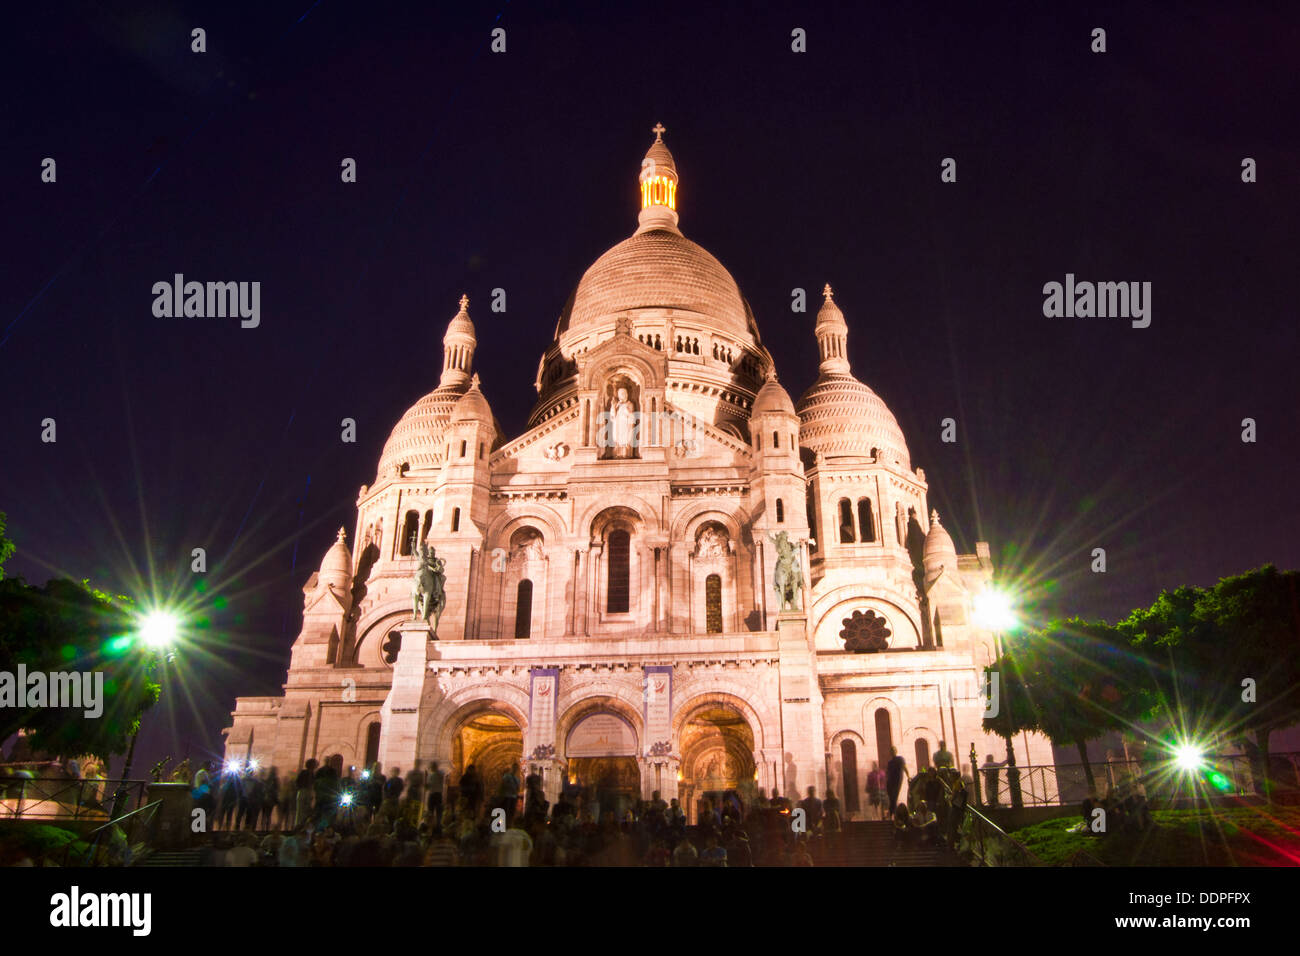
458 346
658 186
832 335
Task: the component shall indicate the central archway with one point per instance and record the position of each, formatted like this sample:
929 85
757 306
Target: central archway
490 740
717 747
600 749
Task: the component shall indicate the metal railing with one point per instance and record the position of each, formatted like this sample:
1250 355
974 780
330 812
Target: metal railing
92 856
977 838
63 798
1161 779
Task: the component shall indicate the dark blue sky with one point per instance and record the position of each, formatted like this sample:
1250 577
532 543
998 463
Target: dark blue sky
479 171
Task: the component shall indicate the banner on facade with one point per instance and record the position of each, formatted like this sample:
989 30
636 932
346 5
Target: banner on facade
542 692
658 708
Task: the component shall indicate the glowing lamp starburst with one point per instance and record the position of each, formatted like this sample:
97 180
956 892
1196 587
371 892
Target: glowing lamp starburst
1189 757
159 629
994 610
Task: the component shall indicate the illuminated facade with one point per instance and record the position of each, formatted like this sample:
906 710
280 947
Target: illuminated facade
610 615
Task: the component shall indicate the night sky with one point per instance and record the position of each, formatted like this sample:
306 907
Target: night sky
479 170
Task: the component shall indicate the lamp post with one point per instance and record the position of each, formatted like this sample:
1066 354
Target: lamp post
994 612
158 631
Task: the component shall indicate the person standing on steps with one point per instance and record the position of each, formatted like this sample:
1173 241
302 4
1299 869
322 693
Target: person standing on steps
895 770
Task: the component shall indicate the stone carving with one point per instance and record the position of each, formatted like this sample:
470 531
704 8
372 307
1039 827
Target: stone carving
788 577
526 546
427 593
865 633
711 543
555 452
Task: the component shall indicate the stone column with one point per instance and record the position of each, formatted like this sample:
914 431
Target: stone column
400 715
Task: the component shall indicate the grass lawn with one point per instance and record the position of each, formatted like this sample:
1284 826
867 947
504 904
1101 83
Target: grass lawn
1220 836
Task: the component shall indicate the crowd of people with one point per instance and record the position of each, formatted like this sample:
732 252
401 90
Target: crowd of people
318 817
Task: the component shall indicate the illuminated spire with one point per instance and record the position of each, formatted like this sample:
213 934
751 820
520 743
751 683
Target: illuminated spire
832 335
658 186
458 347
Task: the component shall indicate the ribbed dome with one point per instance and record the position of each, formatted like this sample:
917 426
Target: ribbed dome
773 397
336 567
417 437
472 407
939 549
656 269
841 416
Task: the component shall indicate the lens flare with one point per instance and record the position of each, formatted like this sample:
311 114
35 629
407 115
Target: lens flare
994 610
159 629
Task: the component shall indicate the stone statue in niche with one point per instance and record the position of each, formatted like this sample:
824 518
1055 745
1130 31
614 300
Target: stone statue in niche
620 419
526 547
712 543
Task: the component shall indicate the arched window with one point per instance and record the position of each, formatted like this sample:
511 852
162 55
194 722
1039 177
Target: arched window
426 524
463 446
776 439
713 604
780 511
480 450
922 753
410 530
899 521
617 594
455 519
884 739
866 520
372 743
849 766
524 610
846 521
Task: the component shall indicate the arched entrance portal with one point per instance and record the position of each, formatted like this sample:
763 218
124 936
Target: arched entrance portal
717 747
491 741
601 755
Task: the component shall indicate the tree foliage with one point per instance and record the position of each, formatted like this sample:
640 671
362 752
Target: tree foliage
70 627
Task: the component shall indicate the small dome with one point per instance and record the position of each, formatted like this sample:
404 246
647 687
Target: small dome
841 416
473 407
829 316
460 322
658 152
939 550
773 398
417 438
336 567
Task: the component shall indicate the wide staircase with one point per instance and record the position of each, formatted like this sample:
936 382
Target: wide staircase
872 843
170 858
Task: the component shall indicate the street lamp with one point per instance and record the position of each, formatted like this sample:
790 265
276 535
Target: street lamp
994 610
158 630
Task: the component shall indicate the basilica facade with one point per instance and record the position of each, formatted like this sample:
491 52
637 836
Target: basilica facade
610 613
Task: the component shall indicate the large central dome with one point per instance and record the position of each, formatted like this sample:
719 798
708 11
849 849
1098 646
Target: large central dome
657 268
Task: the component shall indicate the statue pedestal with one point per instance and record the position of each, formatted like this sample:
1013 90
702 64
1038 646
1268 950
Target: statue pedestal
802 732
400 716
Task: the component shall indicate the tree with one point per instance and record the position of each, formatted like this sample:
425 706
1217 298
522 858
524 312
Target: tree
1072 681
70 627
6 546
1224 659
